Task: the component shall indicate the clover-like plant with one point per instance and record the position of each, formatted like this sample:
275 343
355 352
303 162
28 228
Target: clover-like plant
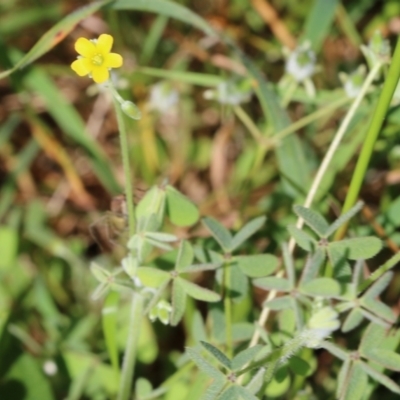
338 252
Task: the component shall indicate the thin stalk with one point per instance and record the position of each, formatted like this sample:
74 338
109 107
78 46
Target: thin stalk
228 309
248 123
373 131
136 311
290 89
135 321
123 137
308 119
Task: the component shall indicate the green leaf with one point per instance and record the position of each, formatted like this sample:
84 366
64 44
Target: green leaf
256 381
238 285
392 262
279 303
152 277
357 381
168 8
198 292
247 231
373 336
273 283
26 373
289 264
324 287
361 248
161 237
193 78
344 218
245 356
143 387
219 232
204 365
353 320
9 245
378 308
200 267
303 239
109 323
258 265
336 350
319 20
181 211
54 35
185 256
230 394
341 268
386 358
374 318
342 378
178 302
214 390
245 394
379 286
313 265
313 219
153 203
299 366
381 378
217 354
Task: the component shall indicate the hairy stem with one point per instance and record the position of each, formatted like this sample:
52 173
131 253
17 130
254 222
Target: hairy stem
123 137
135 321
228 309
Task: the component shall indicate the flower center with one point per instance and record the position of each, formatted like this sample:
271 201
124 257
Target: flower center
97 60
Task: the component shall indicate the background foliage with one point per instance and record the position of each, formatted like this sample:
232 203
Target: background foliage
60 168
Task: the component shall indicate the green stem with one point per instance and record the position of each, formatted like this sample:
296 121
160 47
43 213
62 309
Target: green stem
248 123
123 136
135 321
373 131
290 89
228 309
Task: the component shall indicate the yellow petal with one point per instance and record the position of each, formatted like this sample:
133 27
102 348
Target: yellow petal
104 43
80 67
85 47
112 60
100 74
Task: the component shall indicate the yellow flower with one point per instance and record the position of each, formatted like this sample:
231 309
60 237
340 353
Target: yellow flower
95 58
